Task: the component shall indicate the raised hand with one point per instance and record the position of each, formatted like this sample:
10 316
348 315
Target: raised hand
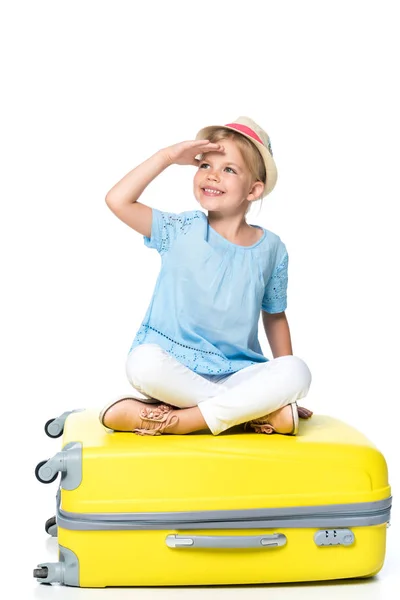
184 153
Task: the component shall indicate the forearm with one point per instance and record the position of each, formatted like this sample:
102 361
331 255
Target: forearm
130 187
278 334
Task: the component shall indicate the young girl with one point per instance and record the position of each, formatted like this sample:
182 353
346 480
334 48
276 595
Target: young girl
196 361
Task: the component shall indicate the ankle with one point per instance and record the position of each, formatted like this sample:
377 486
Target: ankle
282 420
187 420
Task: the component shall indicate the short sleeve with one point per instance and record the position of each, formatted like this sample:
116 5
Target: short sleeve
165 228
275 295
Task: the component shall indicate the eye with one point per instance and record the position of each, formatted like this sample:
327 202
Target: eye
204 164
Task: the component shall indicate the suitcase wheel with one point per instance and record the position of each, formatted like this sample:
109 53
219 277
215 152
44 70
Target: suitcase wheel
55 431
51 526
41 573
38 467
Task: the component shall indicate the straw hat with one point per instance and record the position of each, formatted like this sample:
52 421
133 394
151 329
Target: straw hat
253 132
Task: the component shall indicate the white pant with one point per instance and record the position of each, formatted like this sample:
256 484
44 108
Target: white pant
230 400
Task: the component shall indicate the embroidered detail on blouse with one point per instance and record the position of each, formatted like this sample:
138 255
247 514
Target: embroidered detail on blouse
169 225
277 286
193 359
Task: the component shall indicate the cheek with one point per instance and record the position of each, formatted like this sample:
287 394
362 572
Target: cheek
197 178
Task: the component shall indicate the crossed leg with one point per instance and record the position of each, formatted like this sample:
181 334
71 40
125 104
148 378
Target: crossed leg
261 389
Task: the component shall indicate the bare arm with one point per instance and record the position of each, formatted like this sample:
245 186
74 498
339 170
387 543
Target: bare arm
122 197
135 182
278 333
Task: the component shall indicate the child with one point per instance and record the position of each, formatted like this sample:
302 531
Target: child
196 360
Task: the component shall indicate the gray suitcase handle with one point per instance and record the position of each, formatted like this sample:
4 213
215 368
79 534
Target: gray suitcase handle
225 541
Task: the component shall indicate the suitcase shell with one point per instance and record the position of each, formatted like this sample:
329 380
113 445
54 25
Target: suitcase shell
237 508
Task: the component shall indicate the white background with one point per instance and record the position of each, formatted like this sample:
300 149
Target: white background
91 89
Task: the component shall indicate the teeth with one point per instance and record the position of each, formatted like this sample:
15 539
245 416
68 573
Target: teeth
212 191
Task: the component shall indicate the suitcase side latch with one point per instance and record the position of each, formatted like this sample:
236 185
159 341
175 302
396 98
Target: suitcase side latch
334 537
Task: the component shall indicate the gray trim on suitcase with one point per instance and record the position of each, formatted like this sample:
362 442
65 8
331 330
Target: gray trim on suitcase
65 571
68 462
56 427
225 541
337 515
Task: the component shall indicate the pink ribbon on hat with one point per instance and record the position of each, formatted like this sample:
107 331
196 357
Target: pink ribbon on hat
246 130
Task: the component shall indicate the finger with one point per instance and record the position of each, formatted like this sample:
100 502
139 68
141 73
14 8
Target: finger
304 413
208 145
205 142
204 149
304 409
307 412
308 415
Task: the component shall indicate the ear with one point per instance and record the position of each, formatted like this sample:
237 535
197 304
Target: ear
256 190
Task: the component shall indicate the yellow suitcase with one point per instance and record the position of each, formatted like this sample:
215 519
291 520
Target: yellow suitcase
198 509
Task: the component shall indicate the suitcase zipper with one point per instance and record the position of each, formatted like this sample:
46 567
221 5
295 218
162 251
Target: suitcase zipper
350 515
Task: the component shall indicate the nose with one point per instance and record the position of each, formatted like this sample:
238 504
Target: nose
212 175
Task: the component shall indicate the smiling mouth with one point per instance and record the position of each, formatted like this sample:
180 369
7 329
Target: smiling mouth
211 192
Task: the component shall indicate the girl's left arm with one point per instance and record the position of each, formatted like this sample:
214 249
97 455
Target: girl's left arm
278 333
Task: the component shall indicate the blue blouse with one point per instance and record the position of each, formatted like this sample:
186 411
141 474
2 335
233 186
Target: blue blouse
209 293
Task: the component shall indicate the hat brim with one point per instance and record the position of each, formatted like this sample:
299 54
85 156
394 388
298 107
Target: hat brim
270 167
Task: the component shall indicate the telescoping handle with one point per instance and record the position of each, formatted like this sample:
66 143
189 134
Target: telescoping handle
225 541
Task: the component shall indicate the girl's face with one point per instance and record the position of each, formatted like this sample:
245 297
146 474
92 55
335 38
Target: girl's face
223 182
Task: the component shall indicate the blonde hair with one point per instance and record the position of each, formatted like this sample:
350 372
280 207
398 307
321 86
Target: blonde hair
250 154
